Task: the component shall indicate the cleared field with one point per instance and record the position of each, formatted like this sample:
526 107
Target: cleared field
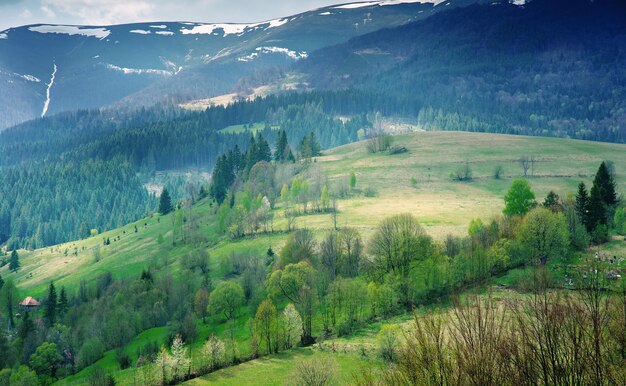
279 369
443 205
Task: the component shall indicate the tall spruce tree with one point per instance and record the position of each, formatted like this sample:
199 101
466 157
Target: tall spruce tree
14 263
62 305
280 153
252 154
309 146
582 204
237 160
596 212
50 312
604 181
221 179
264 151
165 202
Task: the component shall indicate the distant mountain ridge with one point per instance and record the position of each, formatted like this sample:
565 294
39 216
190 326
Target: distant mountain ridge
548 67
163 62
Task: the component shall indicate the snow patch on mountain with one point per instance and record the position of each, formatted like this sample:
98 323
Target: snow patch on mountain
274 50
140 31
100 33
388 2
518 2
164 33
140 71
232 28
47 102
277 22
29 78
4 36
324 13
357 5
160 26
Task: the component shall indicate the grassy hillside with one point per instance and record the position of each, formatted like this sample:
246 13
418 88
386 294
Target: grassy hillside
441 204
417 181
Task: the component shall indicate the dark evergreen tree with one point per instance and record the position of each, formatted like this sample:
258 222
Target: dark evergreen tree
1 282
50 311
605 183
165 202
280 152
263 148
14 263
221 179
316 148
26 327
309 146
252 154
62 306
237 160
596 212
552 202
582 204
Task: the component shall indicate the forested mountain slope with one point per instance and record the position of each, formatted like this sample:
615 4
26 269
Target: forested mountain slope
46 69
549 67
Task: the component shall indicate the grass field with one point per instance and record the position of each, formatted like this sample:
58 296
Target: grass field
417 182
441 205
279 369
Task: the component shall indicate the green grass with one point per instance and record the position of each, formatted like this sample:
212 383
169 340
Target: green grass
279 369
441 205
446 206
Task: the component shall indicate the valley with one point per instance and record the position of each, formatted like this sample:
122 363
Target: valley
373 193
416 182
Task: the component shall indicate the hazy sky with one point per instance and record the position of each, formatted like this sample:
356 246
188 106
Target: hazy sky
102 12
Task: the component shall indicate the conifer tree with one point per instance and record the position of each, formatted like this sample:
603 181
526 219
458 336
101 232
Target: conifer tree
14 263
596 212
552 202
252 154
309 146
26 327
50 312
62 306
263 148
582 203
237 159
165 202
280 153
604 181
221 179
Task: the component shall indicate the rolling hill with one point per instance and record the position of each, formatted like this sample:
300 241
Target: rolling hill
417 182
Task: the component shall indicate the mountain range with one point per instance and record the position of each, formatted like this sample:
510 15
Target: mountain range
110 96
46 69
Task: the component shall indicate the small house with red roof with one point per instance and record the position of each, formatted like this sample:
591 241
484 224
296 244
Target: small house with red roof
29 304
